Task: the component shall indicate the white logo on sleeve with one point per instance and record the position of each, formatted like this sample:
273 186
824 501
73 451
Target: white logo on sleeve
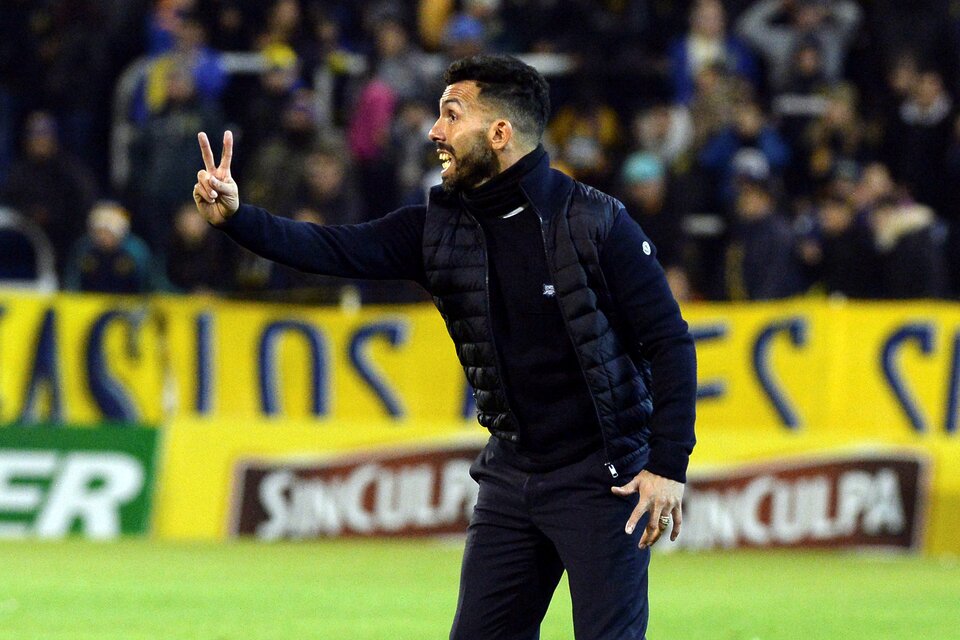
646 247
549 291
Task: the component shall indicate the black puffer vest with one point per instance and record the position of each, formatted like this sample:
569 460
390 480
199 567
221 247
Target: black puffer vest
575 219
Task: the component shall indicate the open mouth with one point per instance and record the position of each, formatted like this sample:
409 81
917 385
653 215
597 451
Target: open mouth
445 160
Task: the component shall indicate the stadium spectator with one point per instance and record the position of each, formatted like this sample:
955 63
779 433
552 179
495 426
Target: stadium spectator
369 137
50 186
647 196
842 256
195 256
284 25
157 189
832 141
901 81
923 30
776 29
327 187
706 44
463 35
802 98
64 56
761 258
749 132
916 143
398 62
587 135
716 93
413 154
74 79
283 154
228 23
164 20
875 184
109 259
189 55
277 84
910 240
664 130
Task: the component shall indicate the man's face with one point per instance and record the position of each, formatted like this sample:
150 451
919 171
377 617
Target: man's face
460 134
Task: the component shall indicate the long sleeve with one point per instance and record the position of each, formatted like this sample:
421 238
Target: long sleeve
640 291
389 248
756 28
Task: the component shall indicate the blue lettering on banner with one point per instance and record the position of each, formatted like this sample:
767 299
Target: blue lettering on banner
204 390
396 333
266 365
112 399
922 335
45 372
796 329
953 396
710 389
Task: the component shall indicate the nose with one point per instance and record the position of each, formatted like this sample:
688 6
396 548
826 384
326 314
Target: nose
436 133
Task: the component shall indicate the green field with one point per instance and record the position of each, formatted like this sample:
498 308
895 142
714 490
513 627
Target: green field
407 590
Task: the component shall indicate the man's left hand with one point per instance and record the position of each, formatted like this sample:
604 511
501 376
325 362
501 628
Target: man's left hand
660 496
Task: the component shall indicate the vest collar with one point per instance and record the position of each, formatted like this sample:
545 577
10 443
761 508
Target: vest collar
547 190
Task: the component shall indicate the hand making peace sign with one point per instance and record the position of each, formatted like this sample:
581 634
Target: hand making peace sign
216 193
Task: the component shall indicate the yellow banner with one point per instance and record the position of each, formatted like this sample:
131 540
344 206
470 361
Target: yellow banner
874 369
234 380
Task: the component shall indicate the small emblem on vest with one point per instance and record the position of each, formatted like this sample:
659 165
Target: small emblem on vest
549 291
646 247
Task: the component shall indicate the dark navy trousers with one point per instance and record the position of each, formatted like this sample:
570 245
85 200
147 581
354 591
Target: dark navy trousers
527 528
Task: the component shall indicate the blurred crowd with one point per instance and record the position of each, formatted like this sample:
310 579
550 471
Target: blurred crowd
769 148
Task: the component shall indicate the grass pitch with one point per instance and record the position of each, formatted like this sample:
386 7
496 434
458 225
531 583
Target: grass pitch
406 590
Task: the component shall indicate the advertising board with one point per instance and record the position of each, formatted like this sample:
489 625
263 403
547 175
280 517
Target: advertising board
830 501
385 493
95 483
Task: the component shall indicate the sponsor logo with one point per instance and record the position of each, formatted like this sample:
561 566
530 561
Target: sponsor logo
868 501
48 494
417 493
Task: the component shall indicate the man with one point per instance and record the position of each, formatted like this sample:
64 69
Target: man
582 368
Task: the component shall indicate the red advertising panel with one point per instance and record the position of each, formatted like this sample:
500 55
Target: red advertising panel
829 502
424 492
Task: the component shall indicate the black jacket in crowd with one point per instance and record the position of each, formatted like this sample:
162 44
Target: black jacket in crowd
634 350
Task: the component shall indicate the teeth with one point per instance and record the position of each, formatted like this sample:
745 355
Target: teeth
445 159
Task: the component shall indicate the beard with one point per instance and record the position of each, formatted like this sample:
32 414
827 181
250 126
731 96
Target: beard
477 163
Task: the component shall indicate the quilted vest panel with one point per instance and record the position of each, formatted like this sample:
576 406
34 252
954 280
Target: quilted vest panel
455 262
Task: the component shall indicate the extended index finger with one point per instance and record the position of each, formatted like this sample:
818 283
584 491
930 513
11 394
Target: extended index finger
227 151
206 151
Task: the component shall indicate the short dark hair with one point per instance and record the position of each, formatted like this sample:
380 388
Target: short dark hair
513 85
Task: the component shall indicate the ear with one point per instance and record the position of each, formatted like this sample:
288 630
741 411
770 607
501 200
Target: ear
500 134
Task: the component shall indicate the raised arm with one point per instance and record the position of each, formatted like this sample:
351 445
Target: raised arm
384 249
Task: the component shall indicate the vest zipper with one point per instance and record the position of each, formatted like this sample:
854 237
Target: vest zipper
486 292
583 372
